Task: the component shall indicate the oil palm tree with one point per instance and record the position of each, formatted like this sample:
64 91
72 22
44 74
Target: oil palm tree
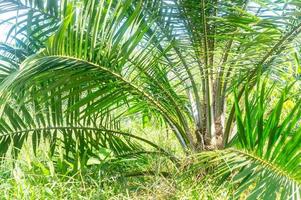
78 73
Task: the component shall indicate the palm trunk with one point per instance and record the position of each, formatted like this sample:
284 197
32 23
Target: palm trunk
210 135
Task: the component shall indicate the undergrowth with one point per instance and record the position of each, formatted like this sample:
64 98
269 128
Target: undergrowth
145 177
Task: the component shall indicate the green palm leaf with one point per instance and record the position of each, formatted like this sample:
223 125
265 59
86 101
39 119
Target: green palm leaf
264 160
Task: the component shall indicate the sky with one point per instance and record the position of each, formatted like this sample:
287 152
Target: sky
4 27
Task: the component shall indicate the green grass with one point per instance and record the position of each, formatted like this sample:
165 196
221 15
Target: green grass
44 178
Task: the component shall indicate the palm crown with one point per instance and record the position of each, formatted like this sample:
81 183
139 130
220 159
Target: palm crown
77 72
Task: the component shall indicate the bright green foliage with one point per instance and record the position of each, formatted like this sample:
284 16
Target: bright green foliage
89 76
272 142
264 161
113 179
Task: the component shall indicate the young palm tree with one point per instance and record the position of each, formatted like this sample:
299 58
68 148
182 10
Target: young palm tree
78 72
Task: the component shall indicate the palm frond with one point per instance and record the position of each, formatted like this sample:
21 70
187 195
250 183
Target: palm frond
264 160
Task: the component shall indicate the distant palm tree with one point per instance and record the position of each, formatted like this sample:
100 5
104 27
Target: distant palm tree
77 72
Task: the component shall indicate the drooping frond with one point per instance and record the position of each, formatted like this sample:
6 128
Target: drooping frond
264 157
91 69
250 175
47 121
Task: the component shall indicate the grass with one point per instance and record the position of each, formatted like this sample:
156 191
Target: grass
40 177
142 177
